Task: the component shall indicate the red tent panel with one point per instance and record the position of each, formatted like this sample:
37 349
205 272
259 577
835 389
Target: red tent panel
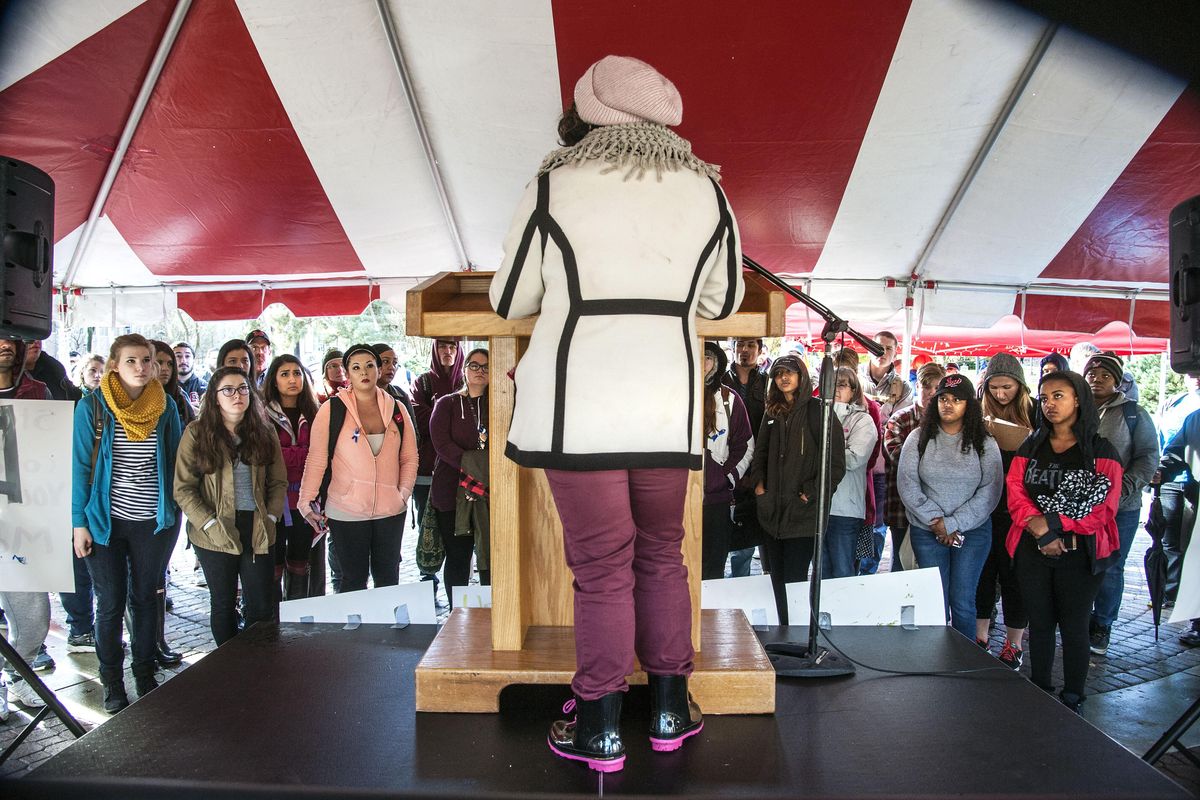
780 98
316 302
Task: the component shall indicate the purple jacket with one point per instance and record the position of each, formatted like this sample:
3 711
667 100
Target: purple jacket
452 429
426 389
719 479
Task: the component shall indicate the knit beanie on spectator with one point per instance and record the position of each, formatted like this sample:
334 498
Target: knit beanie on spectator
1003 364
1108 361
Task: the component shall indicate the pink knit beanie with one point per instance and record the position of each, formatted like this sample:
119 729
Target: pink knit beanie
620 89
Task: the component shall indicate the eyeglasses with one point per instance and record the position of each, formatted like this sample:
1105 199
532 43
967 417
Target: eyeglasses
475 367
228 391
842 385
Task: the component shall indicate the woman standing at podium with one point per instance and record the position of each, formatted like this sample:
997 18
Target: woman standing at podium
621 239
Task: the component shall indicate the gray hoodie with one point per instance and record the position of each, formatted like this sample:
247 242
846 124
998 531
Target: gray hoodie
1138 452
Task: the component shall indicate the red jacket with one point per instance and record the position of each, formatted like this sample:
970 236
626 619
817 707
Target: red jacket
1101 522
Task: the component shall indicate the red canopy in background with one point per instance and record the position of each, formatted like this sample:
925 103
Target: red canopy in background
1007 335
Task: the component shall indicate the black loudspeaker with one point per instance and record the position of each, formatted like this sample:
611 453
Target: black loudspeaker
1185 286
27 223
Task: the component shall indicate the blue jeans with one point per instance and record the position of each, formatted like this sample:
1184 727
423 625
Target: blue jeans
959 568
127 569
79 604
837 557
739 562
1108 602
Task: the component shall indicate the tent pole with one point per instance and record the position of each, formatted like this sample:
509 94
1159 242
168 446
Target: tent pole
439 185
907 356
131 125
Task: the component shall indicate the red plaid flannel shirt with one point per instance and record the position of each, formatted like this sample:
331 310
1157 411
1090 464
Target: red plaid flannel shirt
897 429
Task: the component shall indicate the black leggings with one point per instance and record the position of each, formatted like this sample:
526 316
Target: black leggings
1058 592
459 550
788 561
718 528
999 567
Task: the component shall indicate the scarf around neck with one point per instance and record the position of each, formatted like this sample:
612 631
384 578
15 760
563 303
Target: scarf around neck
138 417
637 147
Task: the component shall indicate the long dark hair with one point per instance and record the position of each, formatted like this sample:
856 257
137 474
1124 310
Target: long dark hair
572 128
713 386
172 384
214 444
974 432
777 405
306 402
229 347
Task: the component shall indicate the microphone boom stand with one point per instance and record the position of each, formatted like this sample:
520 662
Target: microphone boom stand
812 660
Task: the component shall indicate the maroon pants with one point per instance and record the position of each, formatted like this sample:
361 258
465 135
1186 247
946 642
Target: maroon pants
622 531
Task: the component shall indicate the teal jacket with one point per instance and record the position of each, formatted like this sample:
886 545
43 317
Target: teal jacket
91 505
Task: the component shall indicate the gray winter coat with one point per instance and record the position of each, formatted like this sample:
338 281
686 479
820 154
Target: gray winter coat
1138 452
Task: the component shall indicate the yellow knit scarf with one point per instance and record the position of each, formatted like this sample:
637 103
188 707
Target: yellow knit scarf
138 417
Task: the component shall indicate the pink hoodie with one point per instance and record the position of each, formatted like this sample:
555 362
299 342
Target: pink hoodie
362 484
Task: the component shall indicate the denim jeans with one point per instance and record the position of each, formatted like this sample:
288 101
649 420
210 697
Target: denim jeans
369 547
127 569
223 570
959 568
837 556
80 604
1108 601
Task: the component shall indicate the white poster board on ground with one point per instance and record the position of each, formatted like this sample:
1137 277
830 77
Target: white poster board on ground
35 496
377 606
879 599
472 596
752 594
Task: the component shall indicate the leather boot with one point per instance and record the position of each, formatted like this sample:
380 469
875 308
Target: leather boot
594 735
144 680
674 715
165 656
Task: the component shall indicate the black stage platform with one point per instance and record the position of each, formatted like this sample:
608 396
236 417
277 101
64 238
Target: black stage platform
314 710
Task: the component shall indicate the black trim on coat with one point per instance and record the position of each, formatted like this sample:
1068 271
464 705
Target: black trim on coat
543 221
584 462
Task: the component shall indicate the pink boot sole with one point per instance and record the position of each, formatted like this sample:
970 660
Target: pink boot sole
611 765
668 745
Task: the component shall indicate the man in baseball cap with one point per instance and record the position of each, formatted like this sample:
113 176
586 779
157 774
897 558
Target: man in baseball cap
260 347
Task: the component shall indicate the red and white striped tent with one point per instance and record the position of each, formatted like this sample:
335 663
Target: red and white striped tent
964 154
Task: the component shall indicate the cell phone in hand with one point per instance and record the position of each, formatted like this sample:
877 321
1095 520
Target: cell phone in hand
318 515
957 541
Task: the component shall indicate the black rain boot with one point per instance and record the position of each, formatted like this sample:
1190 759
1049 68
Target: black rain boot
114 690
674 715
165 656
594 735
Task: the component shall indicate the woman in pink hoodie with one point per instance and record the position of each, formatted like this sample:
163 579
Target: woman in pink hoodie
363 491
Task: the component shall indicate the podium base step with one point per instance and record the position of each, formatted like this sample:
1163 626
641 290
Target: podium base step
461 673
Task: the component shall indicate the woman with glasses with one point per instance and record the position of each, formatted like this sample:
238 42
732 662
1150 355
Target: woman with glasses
291 405
231 482
458 426
949 478
365 487
123 468
848 508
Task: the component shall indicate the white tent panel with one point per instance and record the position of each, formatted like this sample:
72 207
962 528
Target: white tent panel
36 33
954 66
477 64
110 260
346 103
1086 112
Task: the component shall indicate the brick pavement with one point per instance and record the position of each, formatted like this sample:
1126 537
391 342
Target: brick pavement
1134 659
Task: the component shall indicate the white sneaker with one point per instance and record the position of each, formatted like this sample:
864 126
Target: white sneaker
24 694
3 702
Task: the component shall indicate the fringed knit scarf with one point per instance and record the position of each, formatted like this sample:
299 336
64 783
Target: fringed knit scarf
138 417
637 147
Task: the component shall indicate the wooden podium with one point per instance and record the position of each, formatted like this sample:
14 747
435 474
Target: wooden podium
526 636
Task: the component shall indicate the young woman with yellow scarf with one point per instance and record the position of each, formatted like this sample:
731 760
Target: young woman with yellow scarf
123 470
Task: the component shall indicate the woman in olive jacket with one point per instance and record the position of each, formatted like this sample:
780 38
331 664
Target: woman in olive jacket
231 482
786 472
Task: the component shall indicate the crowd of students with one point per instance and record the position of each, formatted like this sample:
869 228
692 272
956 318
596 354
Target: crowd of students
270 470
1048 517
262 461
